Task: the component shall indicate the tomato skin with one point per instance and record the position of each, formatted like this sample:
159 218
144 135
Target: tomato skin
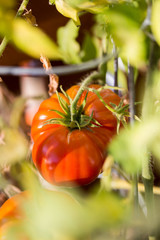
72 157
11 208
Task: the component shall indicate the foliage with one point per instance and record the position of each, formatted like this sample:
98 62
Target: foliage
66 40
128 31
27 38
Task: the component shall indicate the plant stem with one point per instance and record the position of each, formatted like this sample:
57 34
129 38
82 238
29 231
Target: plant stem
81 89
147 112
3 45
131 89
18 14
22 8
115 70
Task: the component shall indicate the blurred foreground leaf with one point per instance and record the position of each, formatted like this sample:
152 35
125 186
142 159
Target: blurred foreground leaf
17 110
124 27
6 5
132 145
155 19
33 41
66 10
14 147
59 215
95 6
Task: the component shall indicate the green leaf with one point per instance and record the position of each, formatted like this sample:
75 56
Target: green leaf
13 148
33 41
89 50
6 5
95 6
17 110
70 48
155 20
6 18
58 112
63 103
66 10
124 24
133 144
51 2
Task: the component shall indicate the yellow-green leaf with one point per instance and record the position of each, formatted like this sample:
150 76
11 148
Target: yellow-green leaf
155 20
33 41
66 37
13 148
67 11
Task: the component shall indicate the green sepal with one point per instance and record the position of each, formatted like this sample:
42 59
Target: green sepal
81 108
58 112
113 105
84 101
60 121
66 95
86 120
63 103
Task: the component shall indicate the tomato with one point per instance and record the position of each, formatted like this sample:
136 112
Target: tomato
71 157
11 212
11 209
13 215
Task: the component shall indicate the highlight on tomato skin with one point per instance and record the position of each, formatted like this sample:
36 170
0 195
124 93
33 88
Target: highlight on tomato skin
72 157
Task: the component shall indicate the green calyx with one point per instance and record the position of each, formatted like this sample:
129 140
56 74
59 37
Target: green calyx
73 119
73 116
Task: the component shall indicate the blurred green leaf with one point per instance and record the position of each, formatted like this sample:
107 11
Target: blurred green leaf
89 50
65 9
95 6
70 48
51 2
33 41
57 215
14 147
7 15
6 5
124 27
155 19
6 19
132 145
17 111
103 211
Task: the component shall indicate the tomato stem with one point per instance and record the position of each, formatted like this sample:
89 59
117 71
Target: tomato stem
73 106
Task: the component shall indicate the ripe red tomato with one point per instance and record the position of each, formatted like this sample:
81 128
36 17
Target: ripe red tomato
73 157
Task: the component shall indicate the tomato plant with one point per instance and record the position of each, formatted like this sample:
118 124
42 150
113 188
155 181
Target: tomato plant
72 152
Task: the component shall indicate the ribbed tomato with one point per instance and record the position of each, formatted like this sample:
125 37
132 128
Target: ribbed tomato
66 156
